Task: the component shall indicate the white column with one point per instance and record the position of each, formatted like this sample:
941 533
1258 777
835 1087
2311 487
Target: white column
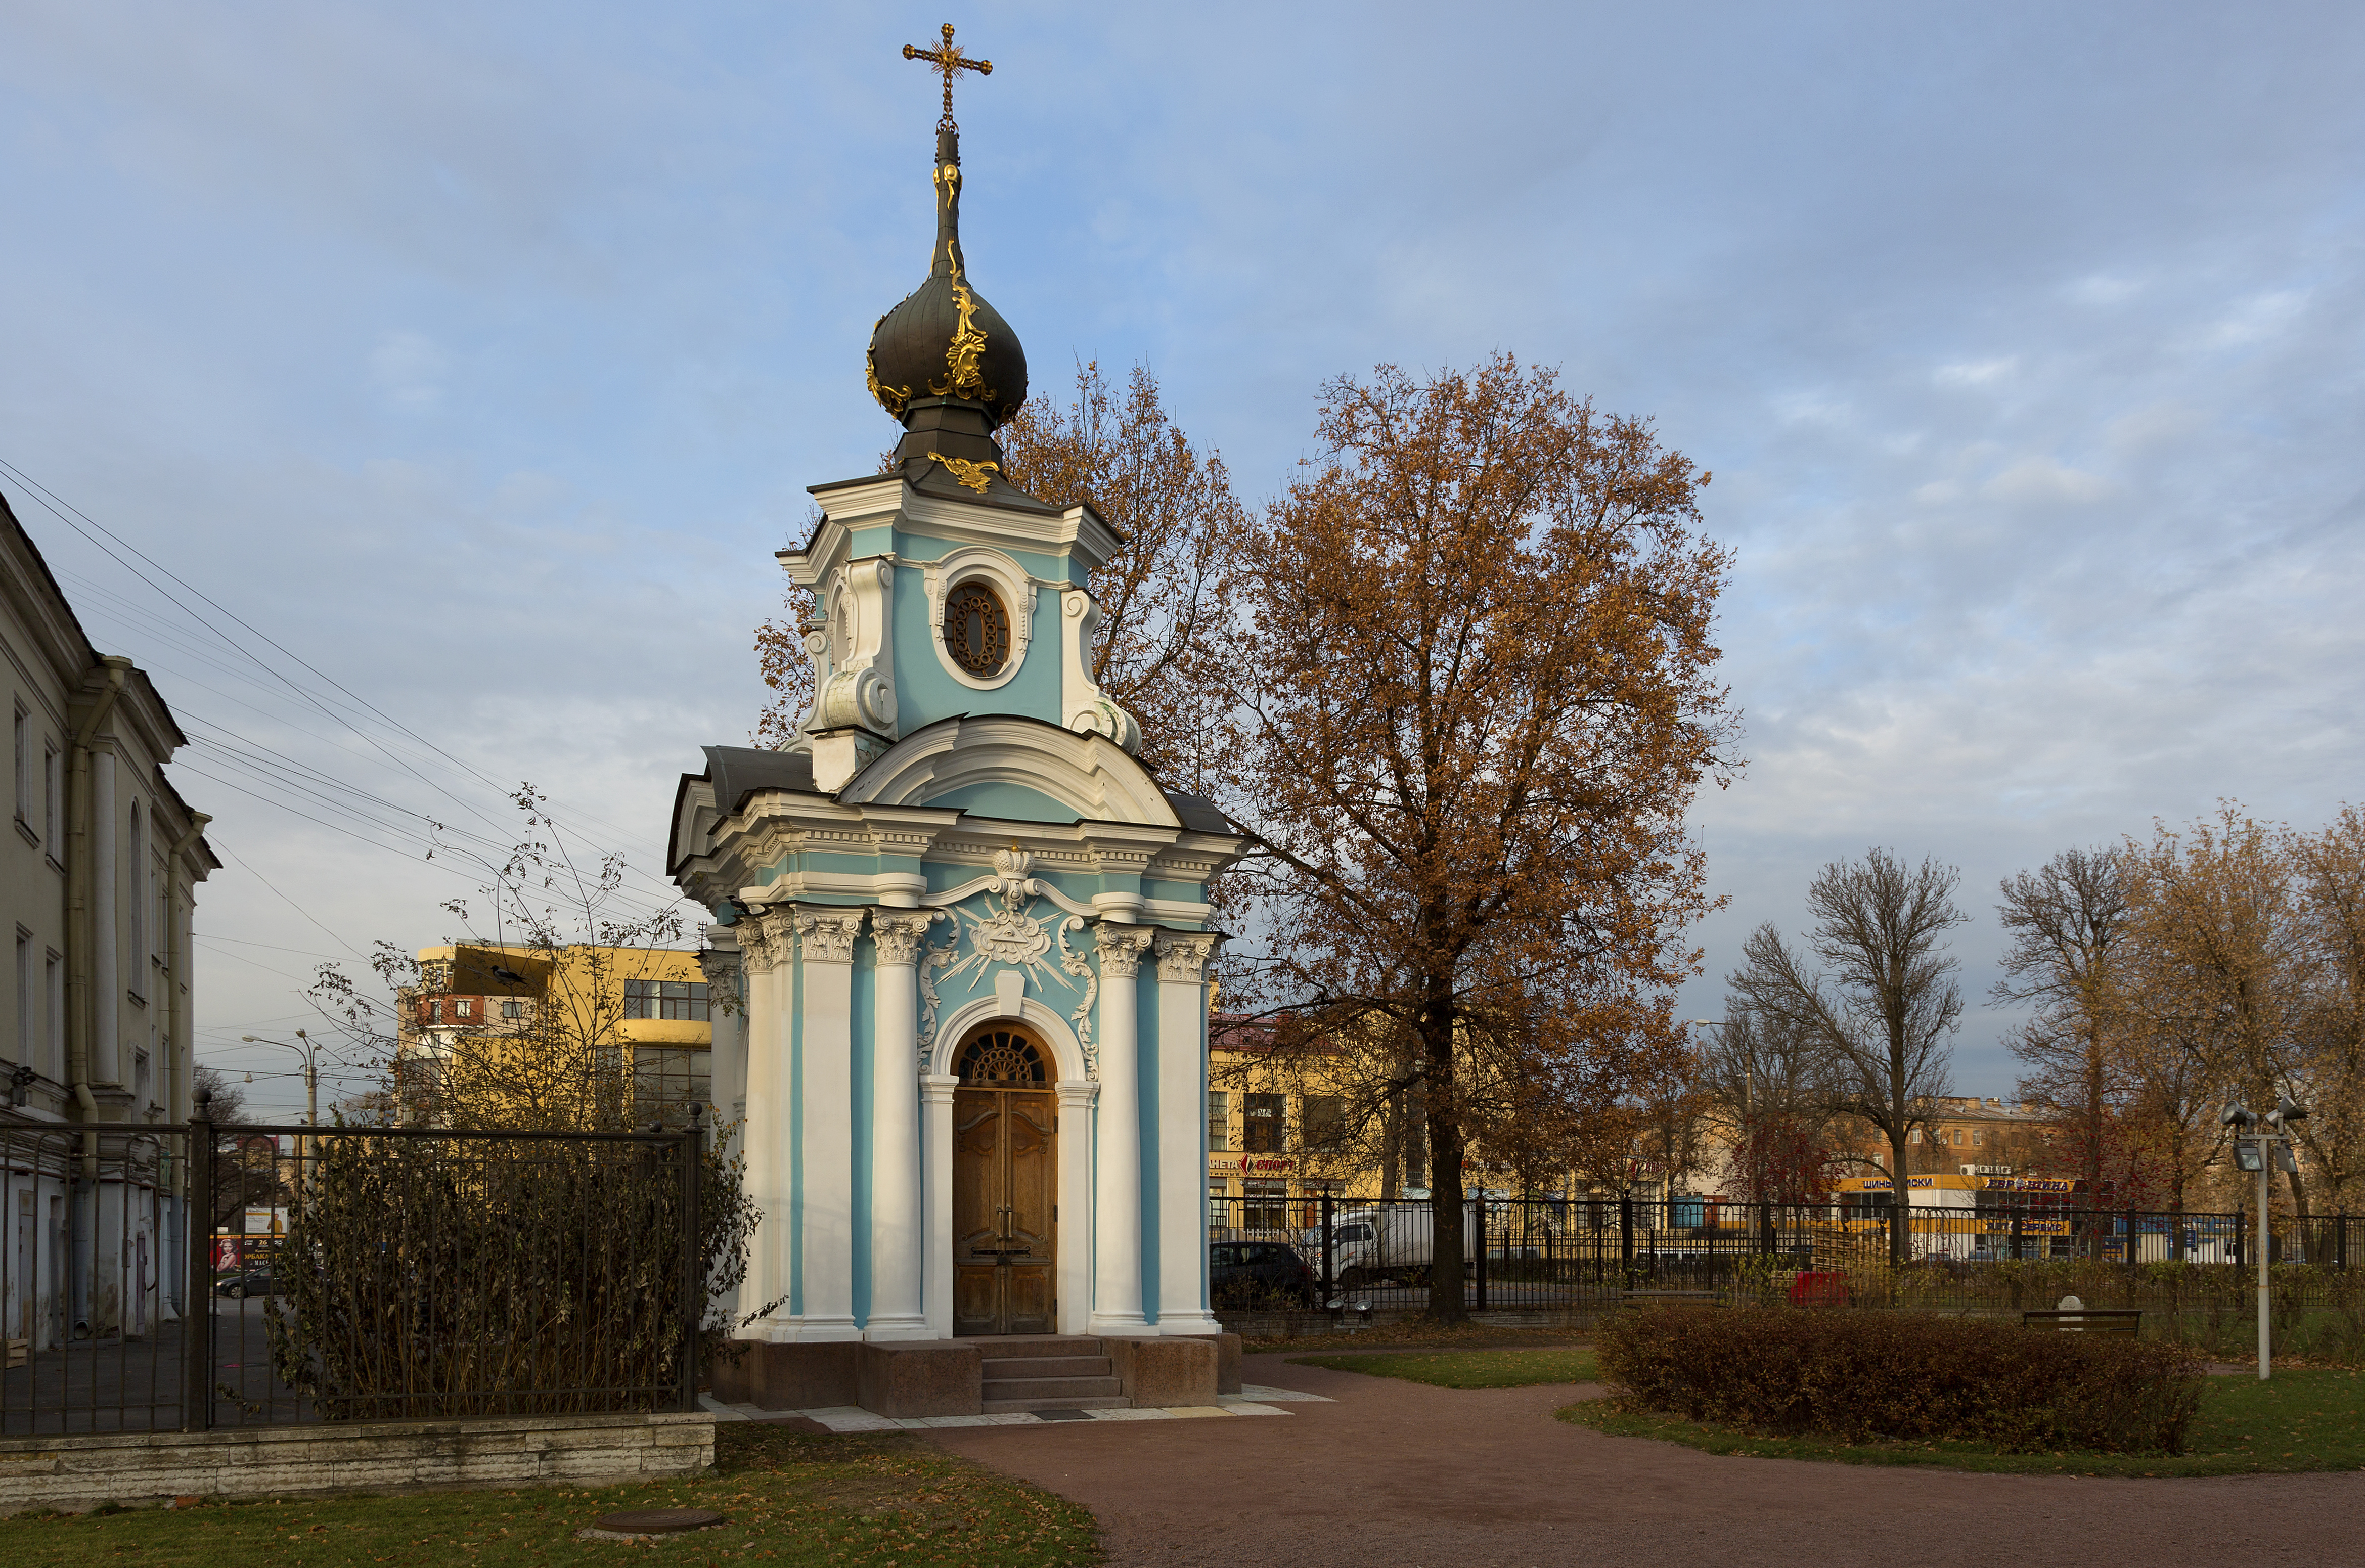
1075 1214
897 1309
937 1222
825 960
1117 1285
766 942
1182 1133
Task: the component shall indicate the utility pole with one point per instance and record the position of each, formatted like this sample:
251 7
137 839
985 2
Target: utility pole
304 1146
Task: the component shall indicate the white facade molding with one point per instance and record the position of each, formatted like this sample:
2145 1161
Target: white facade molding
860 691
1083 706
1010 583
1085 773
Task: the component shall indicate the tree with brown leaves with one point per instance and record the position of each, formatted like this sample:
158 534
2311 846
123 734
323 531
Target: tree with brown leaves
1469 698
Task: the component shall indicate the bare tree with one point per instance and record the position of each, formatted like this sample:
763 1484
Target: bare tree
2066 920
1881 1021
1764 1076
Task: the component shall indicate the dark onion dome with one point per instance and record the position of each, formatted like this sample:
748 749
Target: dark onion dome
944 340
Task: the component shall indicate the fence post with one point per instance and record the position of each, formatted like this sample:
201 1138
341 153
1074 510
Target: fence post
2131 1245
2241 1238
1328 1288
693 1262
1481 1247
1626 1239
2340 1242
2018 1216
197 1310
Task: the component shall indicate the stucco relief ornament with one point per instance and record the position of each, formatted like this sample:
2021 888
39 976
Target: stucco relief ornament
1011 935
1080 966
932 960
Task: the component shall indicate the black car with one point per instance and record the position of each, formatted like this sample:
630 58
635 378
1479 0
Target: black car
238 1286
1253 1275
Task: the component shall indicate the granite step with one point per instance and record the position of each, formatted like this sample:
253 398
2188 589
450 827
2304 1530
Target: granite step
1019 1347
1058 1389
998 1367
1028 1406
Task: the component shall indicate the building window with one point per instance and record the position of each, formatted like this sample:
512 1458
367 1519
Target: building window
24 775
139 860
1913 1136
512 1008
1264 1205
56 1063
1322 1122
462 1007
675 1001
52 791
1264 1123
1219 1205
1219 1120
667 1082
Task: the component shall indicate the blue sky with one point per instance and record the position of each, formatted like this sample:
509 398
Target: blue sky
481 356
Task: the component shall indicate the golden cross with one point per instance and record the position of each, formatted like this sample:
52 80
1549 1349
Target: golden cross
950 61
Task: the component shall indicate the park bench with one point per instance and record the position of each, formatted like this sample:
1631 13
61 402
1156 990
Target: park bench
1670 1298
2086 1320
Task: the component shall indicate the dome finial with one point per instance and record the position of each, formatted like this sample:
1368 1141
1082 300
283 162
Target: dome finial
943 359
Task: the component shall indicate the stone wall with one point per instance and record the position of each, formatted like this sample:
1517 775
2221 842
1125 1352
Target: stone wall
74 1474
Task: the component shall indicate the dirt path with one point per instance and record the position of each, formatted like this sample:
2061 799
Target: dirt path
1396 1474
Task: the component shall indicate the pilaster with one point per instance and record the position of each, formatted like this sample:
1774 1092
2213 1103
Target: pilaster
1117 1285
897 1223
1182 1302
826 940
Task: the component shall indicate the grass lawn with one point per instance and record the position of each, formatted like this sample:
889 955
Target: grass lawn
2308 1418
1468 1369
792 1497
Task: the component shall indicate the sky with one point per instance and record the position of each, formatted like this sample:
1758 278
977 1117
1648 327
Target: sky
470 362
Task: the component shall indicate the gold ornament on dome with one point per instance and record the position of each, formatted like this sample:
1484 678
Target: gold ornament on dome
964 354
976 475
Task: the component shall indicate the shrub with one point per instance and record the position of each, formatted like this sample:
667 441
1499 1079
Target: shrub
1855 1375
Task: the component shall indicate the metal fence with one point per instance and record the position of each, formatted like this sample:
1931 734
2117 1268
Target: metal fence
1545 1253
189 1276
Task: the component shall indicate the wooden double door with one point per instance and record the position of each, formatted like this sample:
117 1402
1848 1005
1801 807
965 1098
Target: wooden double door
1005 1147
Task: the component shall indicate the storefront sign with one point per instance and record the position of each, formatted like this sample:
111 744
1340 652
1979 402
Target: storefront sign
1248 1165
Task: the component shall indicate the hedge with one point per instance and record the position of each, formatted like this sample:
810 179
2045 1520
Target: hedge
1857 1375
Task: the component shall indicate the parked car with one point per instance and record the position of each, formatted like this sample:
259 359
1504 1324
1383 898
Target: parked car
246 1283
1260 1274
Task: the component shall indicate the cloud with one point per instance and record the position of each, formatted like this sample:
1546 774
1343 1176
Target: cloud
408 368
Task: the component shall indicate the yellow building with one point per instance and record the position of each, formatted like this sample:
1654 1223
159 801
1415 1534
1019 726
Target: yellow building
554 1034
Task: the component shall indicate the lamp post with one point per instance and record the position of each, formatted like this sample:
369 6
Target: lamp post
2261 1144
311 1097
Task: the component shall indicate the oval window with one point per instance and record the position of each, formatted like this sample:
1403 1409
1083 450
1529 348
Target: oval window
977 629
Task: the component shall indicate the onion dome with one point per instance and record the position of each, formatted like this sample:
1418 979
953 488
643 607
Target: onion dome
944 347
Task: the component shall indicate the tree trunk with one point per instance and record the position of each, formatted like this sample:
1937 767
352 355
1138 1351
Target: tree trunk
1899 1197
1446 1300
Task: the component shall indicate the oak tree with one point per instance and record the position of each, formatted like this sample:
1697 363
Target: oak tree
1468 695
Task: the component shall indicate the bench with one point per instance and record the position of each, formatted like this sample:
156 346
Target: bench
2086 1320
1670 1298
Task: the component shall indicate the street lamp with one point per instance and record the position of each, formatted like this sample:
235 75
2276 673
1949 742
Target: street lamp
311 1097
2262 1144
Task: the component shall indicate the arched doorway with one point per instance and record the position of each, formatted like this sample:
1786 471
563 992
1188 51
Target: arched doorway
1004 1184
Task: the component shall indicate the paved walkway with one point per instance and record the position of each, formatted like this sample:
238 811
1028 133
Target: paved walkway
1394 1475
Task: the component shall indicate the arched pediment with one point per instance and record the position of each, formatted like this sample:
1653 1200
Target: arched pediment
981 759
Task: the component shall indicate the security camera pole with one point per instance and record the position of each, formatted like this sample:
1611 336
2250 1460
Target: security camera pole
2262 1152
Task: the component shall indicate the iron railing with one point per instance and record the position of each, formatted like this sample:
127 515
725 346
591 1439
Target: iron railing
2193 1271
189 1276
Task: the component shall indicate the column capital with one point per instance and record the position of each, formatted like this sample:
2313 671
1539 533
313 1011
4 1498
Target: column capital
899 933
1121 948
828 935
937 1088
1075 1092
1182 956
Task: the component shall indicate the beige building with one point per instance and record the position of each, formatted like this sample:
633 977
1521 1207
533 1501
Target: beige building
99 864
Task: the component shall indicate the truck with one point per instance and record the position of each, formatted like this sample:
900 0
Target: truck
1393 1245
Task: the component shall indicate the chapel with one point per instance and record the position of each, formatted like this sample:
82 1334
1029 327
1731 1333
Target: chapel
969 930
